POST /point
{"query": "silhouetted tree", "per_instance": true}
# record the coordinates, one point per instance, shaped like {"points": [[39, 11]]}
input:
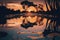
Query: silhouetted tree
{"points": [[4, 12], [26, 2], [55, 8]]}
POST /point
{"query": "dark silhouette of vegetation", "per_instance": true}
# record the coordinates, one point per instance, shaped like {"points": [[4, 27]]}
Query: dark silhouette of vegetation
{"points": [[27, 25], [28, 3], [4, 12], [55, 8]]}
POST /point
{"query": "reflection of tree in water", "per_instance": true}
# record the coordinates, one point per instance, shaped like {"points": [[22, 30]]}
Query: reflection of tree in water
{"points": [[27, 24]]}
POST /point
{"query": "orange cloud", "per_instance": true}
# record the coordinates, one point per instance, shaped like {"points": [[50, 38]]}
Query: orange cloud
{"points": [[15, 6]]}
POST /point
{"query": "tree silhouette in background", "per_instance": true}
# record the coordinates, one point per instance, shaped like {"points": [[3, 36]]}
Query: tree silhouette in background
{"points": [[55, 8], [4, 12], [28, 3]]}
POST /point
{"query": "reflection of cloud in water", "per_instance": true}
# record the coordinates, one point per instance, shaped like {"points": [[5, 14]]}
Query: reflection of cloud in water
{"points": [[35, 37]]}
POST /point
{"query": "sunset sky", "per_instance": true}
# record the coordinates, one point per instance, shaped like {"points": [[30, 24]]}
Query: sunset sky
{"points": [[15, 4], [35, 1]]}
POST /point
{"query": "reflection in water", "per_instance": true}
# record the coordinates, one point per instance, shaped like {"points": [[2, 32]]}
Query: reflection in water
{"points": [[41, 23], [34, 32]]}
